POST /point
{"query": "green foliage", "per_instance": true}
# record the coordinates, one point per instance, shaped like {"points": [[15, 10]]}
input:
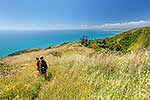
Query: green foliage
{"points": [[1, 63], [84, 41], [5, 69], [132, 40], [128, 40], [56, 53], [147, 40]]}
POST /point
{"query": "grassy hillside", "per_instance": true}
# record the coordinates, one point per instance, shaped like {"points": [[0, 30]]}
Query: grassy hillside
{"points": [[79, 73], [76, 73], [132, 40]]}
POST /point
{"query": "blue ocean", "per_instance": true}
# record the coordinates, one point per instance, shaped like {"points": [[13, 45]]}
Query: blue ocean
{"points": [[12, 41]]}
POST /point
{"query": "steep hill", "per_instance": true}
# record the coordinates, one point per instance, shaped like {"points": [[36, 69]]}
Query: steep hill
{"points": [[132, 40]]}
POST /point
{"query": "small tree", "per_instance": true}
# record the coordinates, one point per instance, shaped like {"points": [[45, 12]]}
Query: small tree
{"points": [[84, 40], [117, 46]]}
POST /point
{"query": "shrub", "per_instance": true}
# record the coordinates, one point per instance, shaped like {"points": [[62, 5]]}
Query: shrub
{"points": [[56, 53], [1, 63]]}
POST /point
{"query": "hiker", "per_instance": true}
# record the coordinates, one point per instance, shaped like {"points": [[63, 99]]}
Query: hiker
{"points": [[43, 66], [38, 64]]}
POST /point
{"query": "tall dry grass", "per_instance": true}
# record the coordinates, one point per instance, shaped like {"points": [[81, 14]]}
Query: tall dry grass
{"points": [[83, 76], [99, 77]]}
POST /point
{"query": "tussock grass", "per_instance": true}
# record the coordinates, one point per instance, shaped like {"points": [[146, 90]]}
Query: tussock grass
{"points": [[81, 76], [102, 76]]}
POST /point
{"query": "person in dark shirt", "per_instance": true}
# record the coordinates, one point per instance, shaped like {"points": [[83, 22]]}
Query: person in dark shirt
{"points": [[44, 66], [38, 64]]}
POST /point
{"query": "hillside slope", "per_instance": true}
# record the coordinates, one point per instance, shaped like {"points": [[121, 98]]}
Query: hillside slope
{"points": [[132, 40], [76, 73]]}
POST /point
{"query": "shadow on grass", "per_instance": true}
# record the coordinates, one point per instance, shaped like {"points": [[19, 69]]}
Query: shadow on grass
{"points": [[49, 76]]}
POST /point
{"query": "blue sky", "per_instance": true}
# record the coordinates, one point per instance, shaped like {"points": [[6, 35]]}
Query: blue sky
{"points": [[44, 14]]}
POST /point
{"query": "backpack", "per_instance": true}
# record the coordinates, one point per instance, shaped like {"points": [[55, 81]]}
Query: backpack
{"points": [[43, 66]]}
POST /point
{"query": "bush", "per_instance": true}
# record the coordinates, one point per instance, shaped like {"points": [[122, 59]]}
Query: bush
{"points": [[56, 54], [1, 63]]}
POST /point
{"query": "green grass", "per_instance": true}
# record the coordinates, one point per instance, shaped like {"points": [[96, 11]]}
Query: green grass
{"points": [[55, 54], [22, 85], [132, 40], [5, 69]]}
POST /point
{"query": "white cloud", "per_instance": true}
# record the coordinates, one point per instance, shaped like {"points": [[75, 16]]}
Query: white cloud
{"points": [[120, 26]]}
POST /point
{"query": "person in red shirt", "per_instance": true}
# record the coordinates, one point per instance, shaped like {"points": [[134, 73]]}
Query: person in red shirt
{"points": [[38, 64]]}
